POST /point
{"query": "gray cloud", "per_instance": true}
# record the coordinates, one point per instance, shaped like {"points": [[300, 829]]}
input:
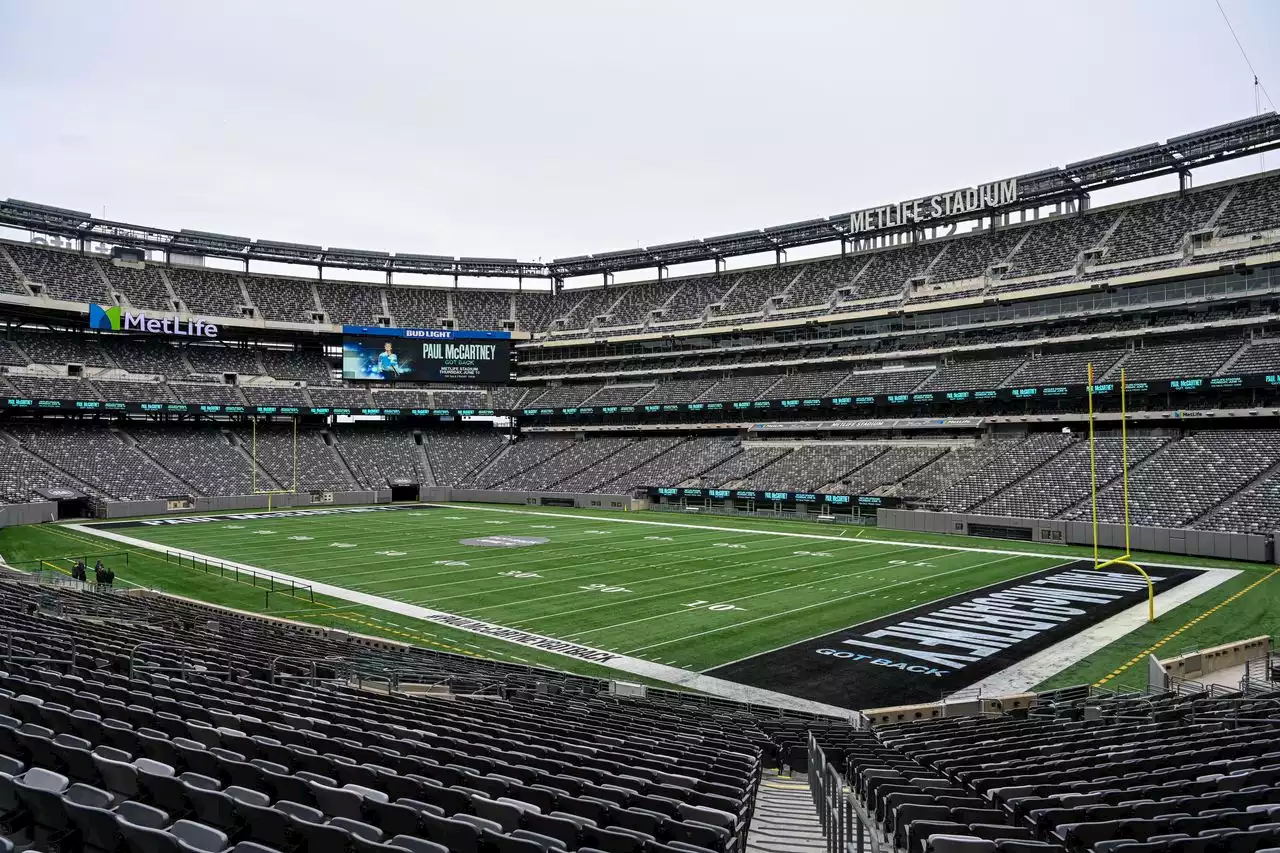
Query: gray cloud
{"points": [[557, 128]]}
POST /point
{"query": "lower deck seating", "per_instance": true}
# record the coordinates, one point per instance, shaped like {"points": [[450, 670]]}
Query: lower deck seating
{"points": [[195, 742], [1152, 774]]}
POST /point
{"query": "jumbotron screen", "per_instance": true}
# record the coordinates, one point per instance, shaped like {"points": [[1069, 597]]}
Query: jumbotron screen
{"points": [[426, 355]]}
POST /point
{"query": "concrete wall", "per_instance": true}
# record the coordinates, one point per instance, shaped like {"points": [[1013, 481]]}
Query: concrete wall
{"points": [[34, 513], [284, 501], [620, 503], [949, 708], [1194, 543], [126, 509], [1215, 658]]}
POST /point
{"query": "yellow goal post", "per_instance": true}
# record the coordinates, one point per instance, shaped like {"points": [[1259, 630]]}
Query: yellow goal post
{"points": [[253, 468], [1125, 559]]}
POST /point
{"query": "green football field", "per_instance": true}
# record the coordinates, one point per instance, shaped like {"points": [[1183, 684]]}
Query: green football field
{"points": [[685, 596], [689, 591]]}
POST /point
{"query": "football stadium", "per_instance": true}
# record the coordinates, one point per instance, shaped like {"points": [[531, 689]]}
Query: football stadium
{"points": [[943, 523]]}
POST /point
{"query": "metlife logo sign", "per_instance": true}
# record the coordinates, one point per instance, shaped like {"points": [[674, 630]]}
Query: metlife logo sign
{"points": [[115, 319], [922, 653]]}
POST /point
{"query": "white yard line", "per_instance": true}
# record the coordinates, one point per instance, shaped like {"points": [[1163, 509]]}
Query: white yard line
{"points": [[816, 604], [1030, 671], [622, 663], [773, 591], [684, 591], [632, 568], [899, 542]]}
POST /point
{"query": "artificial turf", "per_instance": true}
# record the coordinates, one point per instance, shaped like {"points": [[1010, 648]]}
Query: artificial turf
{"points": [[688, 596], [677, 592]]}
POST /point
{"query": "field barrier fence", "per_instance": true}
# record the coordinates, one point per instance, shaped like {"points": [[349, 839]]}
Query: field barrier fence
{"points": [[268, 583]]}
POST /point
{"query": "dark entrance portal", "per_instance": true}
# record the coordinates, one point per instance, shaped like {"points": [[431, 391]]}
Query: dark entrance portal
{"points": [[404, 491]]}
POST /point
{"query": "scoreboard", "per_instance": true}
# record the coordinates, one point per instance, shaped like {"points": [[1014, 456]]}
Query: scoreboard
{"points": [[378, 354]]}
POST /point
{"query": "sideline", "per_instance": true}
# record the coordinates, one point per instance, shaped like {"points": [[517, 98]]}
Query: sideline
{"points": [[623, 663], [898, 542], [1190, 623]]}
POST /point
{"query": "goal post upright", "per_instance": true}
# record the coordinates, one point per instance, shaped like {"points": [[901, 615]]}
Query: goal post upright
{"points": [[1093, 467], [1125, 559], [1124, 459], [253, 467]]}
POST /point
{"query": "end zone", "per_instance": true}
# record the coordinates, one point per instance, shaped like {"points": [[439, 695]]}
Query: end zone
{"points": [[920, 654]]}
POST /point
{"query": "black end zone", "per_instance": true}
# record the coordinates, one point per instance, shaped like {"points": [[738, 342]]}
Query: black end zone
{"points": [[920, 654]]}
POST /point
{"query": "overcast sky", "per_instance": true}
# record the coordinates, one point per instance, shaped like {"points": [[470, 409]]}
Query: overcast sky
{"points": [[547, 129]]}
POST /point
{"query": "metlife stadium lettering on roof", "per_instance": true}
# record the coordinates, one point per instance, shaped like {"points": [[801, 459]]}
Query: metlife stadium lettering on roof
{"points": [[919, 210]]}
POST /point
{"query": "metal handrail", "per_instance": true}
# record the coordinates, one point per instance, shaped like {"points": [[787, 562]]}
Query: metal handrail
{"points": [[845, 825], [9, 656], [344, 670], [1264, 661], [136, 667], [1213, 709]]}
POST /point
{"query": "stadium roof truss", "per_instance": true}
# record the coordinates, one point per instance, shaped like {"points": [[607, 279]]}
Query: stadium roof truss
{"points": [[1179, 155]]}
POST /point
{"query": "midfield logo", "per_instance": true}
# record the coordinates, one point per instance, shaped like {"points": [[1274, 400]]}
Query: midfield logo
{"points": [[115, 319]]}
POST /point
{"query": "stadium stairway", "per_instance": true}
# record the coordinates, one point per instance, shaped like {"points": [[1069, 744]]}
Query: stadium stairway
{"points": [[485, 464], [331, 442], [1229, 363], [422, 461], [784, 820]]}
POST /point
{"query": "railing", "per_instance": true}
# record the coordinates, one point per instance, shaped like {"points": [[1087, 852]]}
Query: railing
{"points": [[344, 670], [264, 581], [185, 661], [47, 571], [87, 559], [1229, 710], [845, 826], [47, 654], [1254, 688], [1260, 669], [52, 577], [1185, 686]]}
